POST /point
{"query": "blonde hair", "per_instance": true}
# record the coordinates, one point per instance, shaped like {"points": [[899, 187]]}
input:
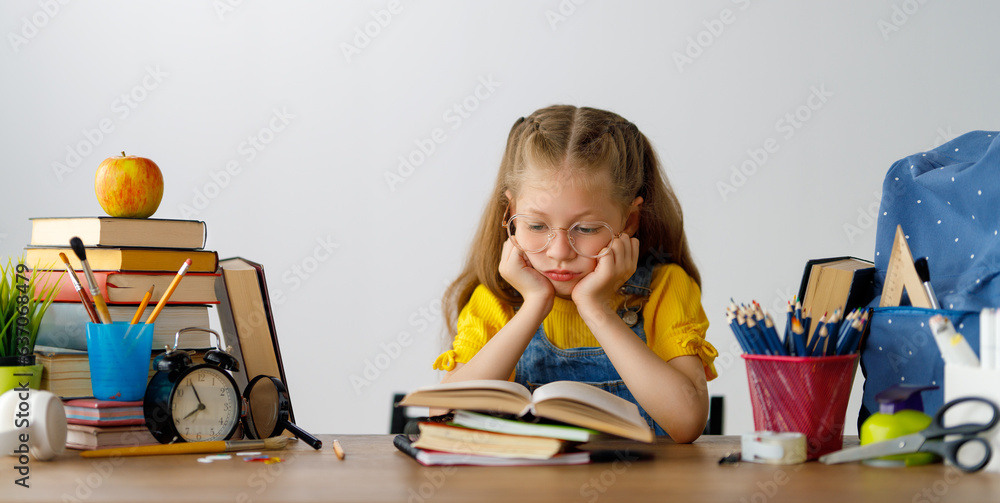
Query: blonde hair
{"points": [[568, 141]]}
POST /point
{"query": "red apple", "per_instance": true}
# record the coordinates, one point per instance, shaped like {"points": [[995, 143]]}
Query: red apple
{"points": [[129, 186]]}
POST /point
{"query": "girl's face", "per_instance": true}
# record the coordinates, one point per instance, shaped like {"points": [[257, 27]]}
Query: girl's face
{"points": [[561, 201]]}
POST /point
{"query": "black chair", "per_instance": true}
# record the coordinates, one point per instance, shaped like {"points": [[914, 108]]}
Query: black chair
{"points": [[398, 418], [716, 415]]}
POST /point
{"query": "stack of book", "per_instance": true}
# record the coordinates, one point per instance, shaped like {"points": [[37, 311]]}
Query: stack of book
{"points": [[100, 424], [128, 256], [520, 428]]}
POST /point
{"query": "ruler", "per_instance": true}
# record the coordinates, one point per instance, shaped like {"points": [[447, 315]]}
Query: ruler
{"points": [[902, 275]]}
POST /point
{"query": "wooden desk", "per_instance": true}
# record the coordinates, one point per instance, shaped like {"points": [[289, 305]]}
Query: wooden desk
{"points": [[375, 471]]}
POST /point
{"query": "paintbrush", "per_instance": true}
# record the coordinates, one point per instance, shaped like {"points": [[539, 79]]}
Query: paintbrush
{"points": [[270, 444], [95, 291], [84, 299]]}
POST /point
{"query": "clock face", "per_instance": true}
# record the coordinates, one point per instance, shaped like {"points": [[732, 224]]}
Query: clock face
{"points": [[205, 405]]}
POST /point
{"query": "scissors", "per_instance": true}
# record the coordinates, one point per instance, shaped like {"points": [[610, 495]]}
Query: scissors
{"points": [[932, 439]]}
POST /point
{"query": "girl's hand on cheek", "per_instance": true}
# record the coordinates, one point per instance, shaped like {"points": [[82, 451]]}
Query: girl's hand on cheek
{"points": [[517, 270], [597, 289]]}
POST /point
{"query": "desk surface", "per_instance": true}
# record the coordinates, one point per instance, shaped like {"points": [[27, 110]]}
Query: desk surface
{"points": [[375, 471]]}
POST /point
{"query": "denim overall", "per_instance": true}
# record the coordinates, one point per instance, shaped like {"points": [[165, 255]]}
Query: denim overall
{"points": [[542, 362]]}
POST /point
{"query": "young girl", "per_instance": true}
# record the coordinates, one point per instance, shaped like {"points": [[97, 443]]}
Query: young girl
{"points": [[580, 270]]}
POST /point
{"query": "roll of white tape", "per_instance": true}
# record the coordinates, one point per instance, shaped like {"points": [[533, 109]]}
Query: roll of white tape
{"points": [[775, 448]]}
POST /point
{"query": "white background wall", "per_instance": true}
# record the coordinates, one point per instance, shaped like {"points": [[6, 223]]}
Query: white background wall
{"points": [[883, 79]]}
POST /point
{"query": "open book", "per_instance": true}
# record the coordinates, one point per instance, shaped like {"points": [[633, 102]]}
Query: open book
{"points": [[570, 402]]}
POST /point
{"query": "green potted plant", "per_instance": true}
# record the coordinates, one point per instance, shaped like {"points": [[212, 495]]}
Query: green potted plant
{"points": [[22, 304]]}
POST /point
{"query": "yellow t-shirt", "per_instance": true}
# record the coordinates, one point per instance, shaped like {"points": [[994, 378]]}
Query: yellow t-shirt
{"points": [[674, 322]]}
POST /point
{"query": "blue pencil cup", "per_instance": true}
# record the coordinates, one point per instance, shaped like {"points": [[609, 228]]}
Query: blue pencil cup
{"points": [[119, 356]]}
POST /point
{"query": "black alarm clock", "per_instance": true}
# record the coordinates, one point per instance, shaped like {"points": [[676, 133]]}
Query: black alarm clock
{"points": [[188, 403]]}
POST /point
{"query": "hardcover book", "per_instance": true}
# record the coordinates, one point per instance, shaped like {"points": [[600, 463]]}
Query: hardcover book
{"points": [[127, 287], [111, 231], [571, 402], [436, 458], [835, 283], [124, 259]]}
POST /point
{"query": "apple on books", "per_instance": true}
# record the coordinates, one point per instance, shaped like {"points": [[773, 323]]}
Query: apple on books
{"points": [[129, 186]]}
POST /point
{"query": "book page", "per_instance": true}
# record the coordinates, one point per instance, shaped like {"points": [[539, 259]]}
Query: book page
{"points": [[584, 405], [585, 394], [484, 395]]}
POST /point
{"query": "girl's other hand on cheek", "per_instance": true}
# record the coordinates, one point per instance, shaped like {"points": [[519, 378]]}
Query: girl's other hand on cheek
{"points": [[517, 270], [597, 289]]}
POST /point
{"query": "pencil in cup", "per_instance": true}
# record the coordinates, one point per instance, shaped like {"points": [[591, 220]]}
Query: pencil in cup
{"points": [[143, 304], [170, 291], [834, 336]]}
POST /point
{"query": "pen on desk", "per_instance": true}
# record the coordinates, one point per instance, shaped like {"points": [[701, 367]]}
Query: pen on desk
{"points": [[95, 291], [84, 299], [143, 304], [925, 277], [338, 450], [170, 291]]}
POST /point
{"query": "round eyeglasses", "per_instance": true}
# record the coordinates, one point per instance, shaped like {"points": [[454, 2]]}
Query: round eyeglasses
{"points": [[531, 234]]}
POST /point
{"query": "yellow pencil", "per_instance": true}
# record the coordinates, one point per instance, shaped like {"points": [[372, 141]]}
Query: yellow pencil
{"points": [[169, 292], [273, 443], [338, 450], [143, 304]]}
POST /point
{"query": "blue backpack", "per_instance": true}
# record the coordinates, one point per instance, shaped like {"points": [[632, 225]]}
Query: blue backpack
{"points": [[947, 201]]}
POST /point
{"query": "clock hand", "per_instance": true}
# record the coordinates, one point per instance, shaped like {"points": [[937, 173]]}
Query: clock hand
{"points": [[200, 406]]}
